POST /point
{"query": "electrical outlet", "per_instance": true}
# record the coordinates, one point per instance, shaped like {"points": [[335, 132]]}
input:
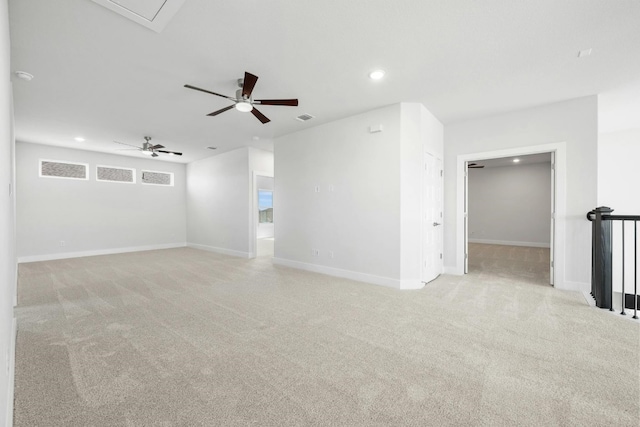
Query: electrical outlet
{"points": [[331, 254], [315, 252], [317, 188], [61, 243]]}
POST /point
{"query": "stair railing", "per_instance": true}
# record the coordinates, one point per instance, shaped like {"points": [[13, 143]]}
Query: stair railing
{"points": [[603, 248]]}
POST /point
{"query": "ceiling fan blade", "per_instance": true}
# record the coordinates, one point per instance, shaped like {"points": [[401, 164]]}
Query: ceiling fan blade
{"points": [[476, 167], [208, 91], [288, 102], [260, 116], [175, 153], [222, 110], [248, 84], [122, 143], [155, 147]]}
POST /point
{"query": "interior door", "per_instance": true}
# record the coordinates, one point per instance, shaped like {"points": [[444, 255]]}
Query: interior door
{"points": [[432, 241], [553, 217], [466, 217]]}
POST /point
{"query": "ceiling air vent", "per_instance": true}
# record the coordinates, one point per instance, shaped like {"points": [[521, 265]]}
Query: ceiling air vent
{"points": [[304, 117], [153, 14]]}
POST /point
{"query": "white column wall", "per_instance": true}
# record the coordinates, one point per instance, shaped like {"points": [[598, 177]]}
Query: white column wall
{"points": [[219, 203]]}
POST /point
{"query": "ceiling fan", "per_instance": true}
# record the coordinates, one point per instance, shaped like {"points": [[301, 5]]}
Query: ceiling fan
{"points": [[474, 166], [148, 148], [244, 101]]}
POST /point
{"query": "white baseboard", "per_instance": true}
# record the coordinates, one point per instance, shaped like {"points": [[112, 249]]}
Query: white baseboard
{"points": [[50, 257], [572, 286], [337, 272], [12, 371], [409, 284], [453, 270], [510, 243], [222, 251]]}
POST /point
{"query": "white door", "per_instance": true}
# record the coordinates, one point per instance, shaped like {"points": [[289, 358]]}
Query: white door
{"points": [[553, 215], [466, 217], [432, 239]]}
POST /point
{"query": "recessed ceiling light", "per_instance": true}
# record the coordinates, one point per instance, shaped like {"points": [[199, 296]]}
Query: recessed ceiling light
{"points": [[516, 160], [583, 53], [376, 75], [79, 139], [24, 75]]}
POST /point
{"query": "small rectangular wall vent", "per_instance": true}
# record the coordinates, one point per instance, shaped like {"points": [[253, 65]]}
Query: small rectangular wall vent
{"points": [[157, 178], [62, 169], [304, 117], [115, 174]]}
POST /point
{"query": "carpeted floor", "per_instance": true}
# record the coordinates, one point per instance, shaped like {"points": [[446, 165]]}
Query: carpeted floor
{"points": [[183, 337]]}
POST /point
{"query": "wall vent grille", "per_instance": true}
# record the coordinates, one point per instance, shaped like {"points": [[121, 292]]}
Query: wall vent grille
{"points": [[157, 178], [62, 169], [115, 174]]}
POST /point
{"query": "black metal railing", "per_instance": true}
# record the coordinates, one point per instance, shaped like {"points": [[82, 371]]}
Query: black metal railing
{"points": [[603, 248]]}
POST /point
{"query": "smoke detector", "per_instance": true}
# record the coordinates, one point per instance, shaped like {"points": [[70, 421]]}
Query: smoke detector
{"points": [[24, 75]]}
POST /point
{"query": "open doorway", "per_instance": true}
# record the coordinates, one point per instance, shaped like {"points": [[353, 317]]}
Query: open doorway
{"points": [[265, 231], [510, 201]]}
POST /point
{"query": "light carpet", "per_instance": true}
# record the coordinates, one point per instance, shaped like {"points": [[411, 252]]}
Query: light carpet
{"points": [[182, 337]]}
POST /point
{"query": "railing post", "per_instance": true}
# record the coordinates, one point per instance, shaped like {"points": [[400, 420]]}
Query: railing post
{"points": [[601, 258]]}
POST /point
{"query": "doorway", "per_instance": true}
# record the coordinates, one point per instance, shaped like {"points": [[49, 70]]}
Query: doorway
{"points": [[510, 217], [265, 231], [558, 217]]}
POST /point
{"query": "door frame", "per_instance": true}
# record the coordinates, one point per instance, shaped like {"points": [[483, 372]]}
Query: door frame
{"points": [[253, 217], [560, 202]]}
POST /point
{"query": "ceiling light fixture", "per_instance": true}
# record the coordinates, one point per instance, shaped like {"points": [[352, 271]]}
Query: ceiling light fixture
{"points": [[244, 106], [376, 75], [516, 160], [79, 139], [147, 152]]}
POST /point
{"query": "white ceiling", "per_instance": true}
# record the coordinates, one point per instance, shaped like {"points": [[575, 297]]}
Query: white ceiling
{"points": [[104, 77]]}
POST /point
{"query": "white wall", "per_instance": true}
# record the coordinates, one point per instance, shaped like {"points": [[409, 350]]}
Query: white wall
{"points": [[7, 228], [618, 161], [573, 123], [368, 196], [94, 217], [510, 205], [218, 203], [618, 180]]}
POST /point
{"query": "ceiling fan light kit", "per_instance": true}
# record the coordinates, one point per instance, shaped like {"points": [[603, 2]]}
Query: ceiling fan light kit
{"points": [[149, 149], [244, 101]]}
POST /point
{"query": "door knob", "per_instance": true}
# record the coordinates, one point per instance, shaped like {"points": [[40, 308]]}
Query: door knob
{"points": [[435, 224]]}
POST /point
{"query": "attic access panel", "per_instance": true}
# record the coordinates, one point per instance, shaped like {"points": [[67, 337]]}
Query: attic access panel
{"points": [[153, 14]]}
